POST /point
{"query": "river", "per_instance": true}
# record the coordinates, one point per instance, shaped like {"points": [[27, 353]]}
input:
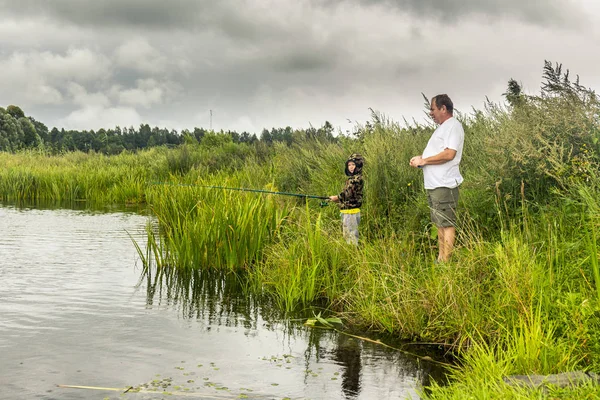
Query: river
{"points": [[74, 312]]}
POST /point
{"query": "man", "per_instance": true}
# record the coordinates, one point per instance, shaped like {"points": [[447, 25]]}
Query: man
{"points": [[440, 163]]}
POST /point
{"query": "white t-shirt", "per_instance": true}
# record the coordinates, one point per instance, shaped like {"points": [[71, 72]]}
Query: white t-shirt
{"points": [[449, 135]]}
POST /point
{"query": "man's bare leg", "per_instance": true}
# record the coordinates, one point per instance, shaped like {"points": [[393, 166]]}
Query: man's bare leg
{"points": [[446, 237]]}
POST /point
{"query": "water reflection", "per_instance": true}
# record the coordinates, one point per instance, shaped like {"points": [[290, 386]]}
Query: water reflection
{"points": [[348, 354], [75, 205], [215, 297], [363, 368]]}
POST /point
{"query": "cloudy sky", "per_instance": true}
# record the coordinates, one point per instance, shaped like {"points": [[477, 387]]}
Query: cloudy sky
{"points": [[88, 64]]}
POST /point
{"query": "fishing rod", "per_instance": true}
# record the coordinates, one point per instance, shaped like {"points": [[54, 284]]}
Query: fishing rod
{"points": [[305, 196]]}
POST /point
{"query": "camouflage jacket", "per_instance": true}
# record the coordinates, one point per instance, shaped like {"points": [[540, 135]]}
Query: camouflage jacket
{"points": [[351, 196]]}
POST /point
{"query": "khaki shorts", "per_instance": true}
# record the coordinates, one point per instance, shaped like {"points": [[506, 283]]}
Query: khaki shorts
{"points": [[442, 205]]}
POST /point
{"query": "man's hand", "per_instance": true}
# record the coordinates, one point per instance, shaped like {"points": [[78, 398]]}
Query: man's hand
{"points": [[334, 199], [417, 162]]}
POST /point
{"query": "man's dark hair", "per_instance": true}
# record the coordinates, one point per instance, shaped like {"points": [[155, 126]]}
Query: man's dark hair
{"points": [[444, 100]]}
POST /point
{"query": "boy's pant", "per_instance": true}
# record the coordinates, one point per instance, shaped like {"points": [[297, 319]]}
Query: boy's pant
{"points": [[350, 227]]}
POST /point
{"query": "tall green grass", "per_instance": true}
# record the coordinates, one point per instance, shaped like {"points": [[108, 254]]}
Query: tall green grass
{"points": [[101, 179], [203, 228], [308, 263], [77, 177]]}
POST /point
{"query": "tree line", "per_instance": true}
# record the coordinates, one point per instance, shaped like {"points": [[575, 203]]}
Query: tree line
{"points": [[19, 132]]}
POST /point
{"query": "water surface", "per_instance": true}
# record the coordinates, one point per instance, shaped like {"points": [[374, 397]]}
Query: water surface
{"points": [[72, 313]]}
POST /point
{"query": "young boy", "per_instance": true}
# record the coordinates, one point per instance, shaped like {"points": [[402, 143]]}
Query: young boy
{"points": [[350, 199]]}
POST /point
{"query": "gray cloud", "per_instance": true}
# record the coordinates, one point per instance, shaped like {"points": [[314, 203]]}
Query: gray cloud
{"points": [[259, 63], [110, 13], [250, 20], [547, 12], [239, 19]]}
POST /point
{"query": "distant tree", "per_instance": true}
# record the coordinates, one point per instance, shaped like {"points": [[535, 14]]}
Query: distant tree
{"points": [[67, 142], [31, 139], [7, 130], [235, 137], [266, 136], [187, 137], [41, 129], [328, 128], [11, 131], [53, 138], [173, 138], [158, 137], [142, 137], [15, 111], [18, 131], [199, 134], [245, 137]]}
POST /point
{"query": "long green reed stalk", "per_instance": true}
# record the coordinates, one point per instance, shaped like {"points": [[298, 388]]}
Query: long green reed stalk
{"points": [[529, 347], [310, 262], [593, 256], [589, 225], [208, 228]]}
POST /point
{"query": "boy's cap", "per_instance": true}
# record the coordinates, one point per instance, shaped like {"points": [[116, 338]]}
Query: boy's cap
{"points": [[356, 159]]}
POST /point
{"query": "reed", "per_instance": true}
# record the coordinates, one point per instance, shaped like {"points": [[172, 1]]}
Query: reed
{"points": [[74, 177], [212, 228], [305, 265], [529, 347]]}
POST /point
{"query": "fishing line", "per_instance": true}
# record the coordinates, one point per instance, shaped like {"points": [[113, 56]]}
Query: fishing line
{"points": [[301, 195]]}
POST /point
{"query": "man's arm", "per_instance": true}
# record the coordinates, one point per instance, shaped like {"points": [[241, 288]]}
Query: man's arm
{"points": [[440, 158]]}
